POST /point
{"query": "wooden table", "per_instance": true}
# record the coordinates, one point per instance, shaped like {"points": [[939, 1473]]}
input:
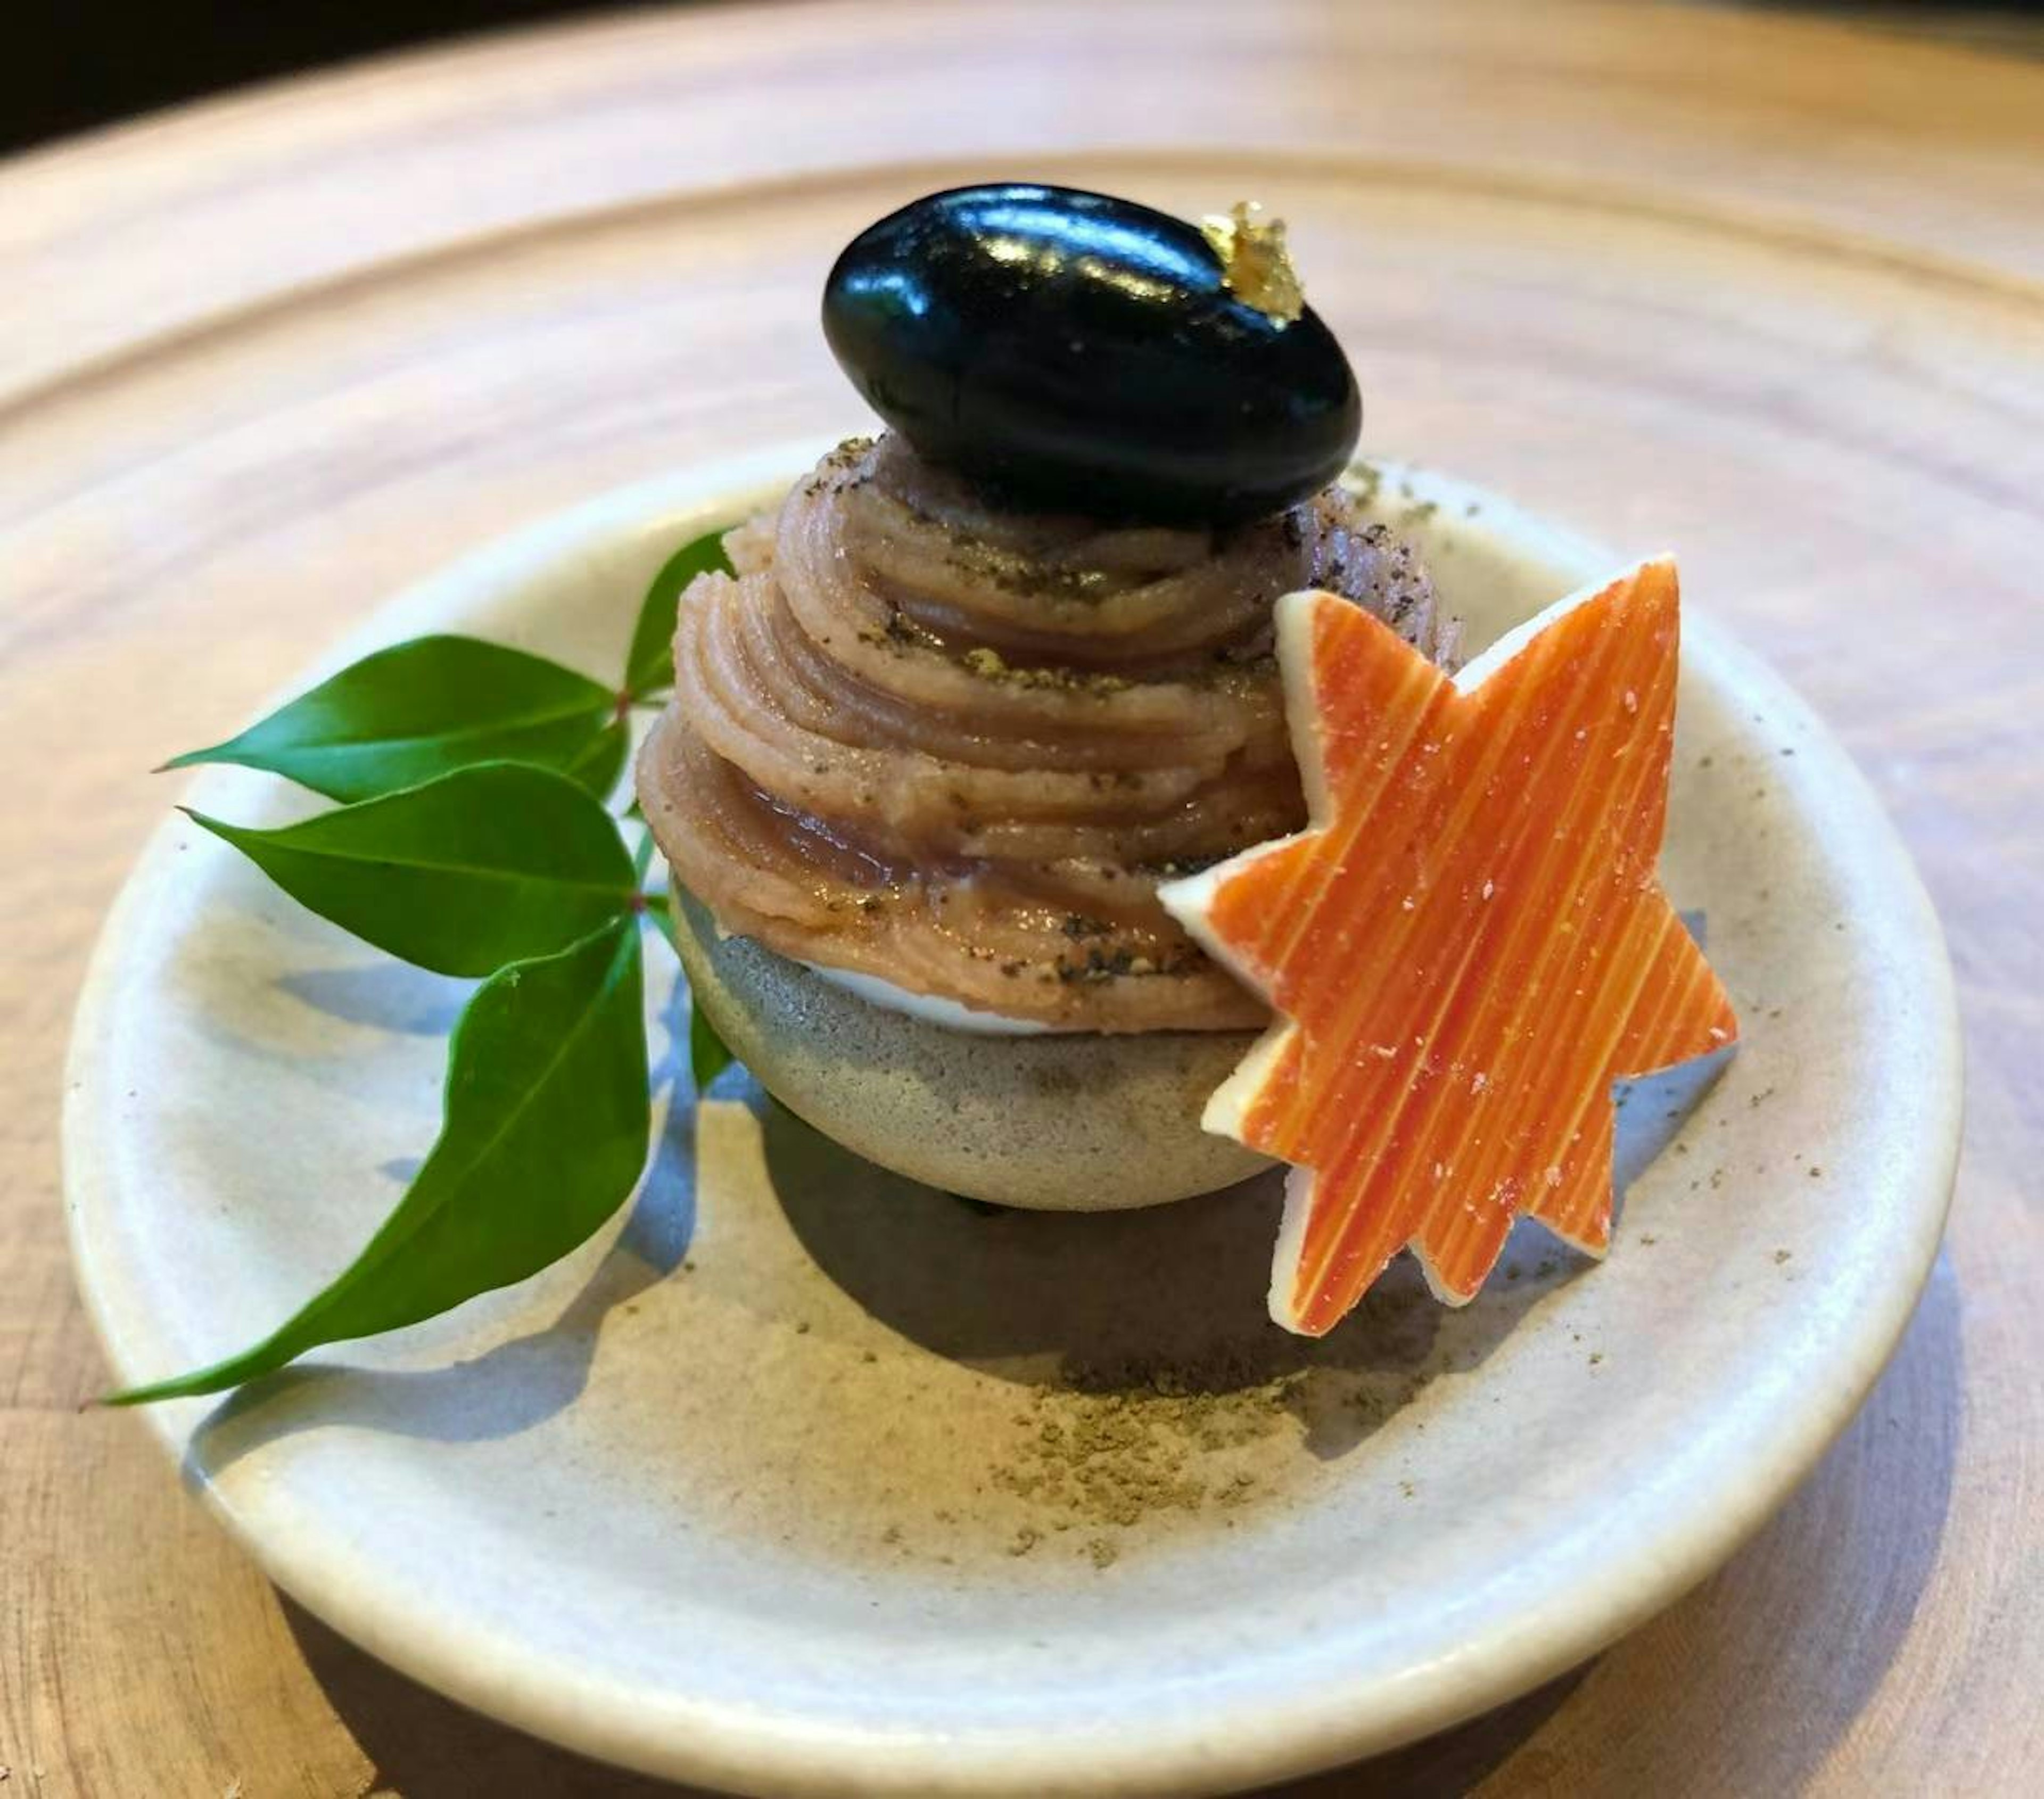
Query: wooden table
{"points": [[1764, 289]]}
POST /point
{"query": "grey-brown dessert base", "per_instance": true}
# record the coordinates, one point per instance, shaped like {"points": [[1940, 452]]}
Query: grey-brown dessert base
{"points": [[1058, 1122]]}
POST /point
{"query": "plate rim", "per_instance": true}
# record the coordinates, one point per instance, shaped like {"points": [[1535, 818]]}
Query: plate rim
{"points": [[1322, 1725]]}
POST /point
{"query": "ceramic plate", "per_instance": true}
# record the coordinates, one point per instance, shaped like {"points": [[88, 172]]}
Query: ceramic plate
{"points": [[803, 1478]]}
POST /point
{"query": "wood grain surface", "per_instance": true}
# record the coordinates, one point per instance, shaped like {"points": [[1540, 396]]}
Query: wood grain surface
{"points": [[1762, 289]]}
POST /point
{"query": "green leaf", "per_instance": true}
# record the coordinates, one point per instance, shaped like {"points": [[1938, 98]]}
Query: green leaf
{"points": [[598, 766], [460, 875], [708, 1056], [651, 665], [545, 1134], [420, 708], [663, 919]]}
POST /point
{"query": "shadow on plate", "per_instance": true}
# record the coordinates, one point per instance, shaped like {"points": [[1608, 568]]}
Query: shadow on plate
{"points": [[1169, 1300], [508, 1389], [384, 995]]}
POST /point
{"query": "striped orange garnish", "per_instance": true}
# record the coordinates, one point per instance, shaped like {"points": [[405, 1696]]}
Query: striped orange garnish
{"points": [[1466, 947]]}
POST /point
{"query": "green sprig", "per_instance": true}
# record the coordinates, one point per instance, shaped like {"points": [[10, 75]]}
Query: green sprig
{"points": [[424, 708], [474, 841], [480, 867], [649, 667], [547, 1116]]}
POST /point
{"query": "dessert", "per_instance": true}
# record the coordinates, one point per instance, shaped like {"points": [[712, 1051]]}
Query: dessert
{"points": [[977, 687], [982, 783], [953, 748]]}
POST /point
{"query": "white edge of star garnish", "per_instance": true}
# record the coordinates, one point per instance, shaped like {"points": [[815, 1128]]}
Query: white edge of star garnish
{"points": [[1190, 900]]}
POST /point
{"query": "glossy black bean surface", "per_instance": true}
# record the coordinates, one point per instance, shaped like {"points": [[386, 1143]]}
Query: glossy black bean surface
{"points": [[1083, 353]]}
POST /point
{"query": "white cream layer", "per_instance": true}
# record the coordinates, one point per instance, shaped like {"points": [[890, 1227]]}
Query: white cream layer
{"points": [[933, 1008]]}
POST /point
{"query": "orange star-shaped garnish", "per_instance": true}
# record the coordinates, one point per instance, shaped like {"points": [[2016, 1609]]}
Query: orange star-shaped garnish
{"points": [[1467, 946]]}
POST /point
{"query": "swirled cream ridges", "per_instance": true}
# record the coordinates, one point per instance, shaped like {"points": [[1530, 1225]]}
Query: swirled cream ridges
{"points": [[956, 747]]}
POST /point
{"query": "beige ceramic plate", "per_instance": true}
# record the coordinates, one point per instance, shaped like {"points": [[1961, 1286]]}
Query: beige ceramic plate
{"points": [[805, 1479]]}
